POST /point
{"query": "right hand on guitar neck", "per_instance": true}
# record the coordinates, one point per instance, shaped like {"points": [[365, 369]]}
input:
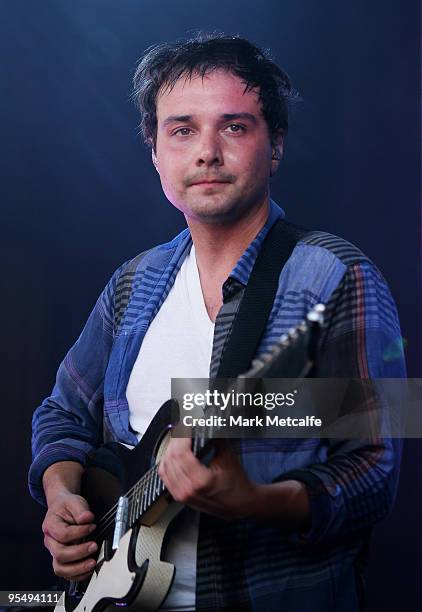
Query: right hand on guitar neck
{"points": [[67, 522]]}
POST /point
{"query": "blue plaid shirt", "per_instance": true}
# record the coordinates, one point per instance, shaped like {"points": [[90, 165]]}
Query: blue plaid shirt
{"points": [[244, 564]]}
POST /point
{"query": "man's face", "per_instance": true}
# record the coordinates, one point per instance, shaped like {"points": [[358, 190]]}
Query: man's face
{"points": [[213, 148]]}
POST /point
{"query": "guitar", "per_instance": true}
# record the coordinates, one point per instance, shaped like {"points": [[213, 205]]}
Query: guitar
{"points": [[123, 487]]}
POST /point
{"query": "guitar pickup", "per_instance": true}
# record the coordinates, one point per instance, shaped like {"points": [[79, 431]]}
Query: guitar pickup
{"points": [[120, 527]]}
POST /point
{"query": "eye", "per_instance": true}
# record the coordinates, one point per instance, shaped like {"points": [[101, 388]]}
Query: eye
{"points": [[184, 131], [236, 128]]}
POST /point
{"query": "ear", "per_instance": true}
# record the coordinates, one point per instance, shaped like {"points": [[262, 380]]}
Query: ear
{"points": [[154, 160], [277, 150]]}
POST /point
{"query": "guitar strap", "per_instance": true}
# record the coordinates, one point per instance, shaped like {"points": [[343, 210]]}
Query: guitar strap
{"points": [[258, 298]]}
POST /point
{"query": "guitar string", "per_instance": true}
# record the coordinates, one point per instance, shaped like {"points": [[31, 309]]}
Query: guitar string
{"points": [[139, 485], [134, 493], [138, 491], [109, 517]]}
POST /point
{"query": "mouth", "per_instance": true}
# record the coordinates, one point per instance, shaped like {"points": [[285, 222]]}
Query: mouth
{"points": [[209, 183]]}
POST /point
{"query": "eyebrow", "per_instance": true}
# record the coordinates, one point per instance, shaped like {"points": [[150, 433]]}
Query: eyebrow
{"points": [[225, 116]]}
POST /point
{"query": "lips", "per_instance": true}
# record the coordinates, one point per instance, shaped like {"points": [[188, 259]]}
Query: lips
{"points": [[210, 183]]}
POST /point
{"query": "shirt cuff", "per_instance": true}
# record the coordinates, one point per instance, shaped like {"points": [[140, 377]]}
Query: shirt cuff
{"points": [[320, 506], [50, 454]]}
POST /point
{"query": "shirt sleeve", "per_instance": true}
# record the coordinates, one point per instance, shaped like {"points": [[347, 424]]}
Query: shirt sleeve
{"points": [[356, 485], [68, 424]]}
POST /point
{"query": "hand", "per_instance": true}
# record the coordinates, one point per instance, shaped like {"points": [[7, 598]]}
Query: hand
{"points": [[223, 489], [67, 521]]}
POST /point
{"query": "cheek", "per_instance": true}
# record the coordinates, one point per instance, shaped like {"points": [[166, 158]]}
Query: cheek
{"points": [[257, 151], [171, 178], [169, 166], [256, 162], [169, 174]]}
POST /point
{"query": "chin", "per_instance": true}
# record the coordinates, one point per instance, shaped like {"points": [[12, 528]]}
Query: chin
{"points": [[212, 213]]}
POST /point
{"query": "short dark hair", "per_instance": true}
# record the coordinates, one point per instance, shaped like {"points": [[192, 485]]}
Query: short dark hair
{"points": [[163, 64]]}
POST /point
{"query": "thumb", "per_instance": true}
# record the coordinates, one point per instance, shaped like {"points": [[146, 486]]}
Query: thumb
{"points": [[78, 509]]}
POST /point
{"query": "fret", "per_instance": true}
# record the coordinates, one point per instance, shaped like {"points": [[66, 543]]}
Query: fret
{"points": [[142, 498], [131, 508], [135, 503], [152, 486], [147, 491], [143, 503], [138, 494], [149, 478], [160, 485]]}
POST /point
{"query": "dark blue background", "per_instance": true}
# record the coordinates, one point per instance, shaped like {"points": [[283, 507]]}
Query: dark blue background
{"points": [[80, 196]]}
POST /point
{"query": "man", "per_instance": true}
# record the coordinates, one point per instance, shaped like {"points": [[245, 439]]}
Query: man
{"points": [[270, 524]]}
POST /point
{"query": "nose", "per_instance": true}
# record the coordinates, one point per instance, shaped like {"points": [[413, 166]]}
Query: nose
{"points": [[209, 151]]}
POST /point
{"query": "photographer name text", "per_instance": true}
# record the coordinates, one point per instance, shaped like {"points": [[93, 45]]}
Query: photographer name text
{"points": [[239, 421]]}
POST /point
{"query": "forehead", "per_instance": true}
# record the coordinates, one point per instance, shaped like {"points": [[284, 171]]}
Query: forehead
{"points": [[217, 92]]}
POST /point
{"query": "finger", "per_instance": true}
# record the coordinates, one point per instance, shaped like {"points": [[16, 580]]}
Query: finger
{"points": [[186, 478], [193, 471], [82, 518], [70, 554], [77, 509], [166, 474], [182, 490], [181, 444], [61, 531], [179, 454], [73, 570], [176, 486]]}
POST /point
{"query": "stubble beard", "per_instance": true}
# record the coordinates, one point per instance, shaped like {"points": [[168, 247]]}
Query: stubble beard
{"points": [[225, 209], [218, 211]]}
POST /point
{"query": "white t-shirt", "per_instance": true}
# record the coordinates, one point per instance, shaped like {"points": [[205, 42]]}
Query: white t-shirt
{"points": [[178, 344]]}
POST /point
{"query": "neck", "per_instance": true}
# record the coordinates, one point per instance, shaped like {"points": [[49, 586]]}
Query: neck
{"points": [[219, 246]]}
